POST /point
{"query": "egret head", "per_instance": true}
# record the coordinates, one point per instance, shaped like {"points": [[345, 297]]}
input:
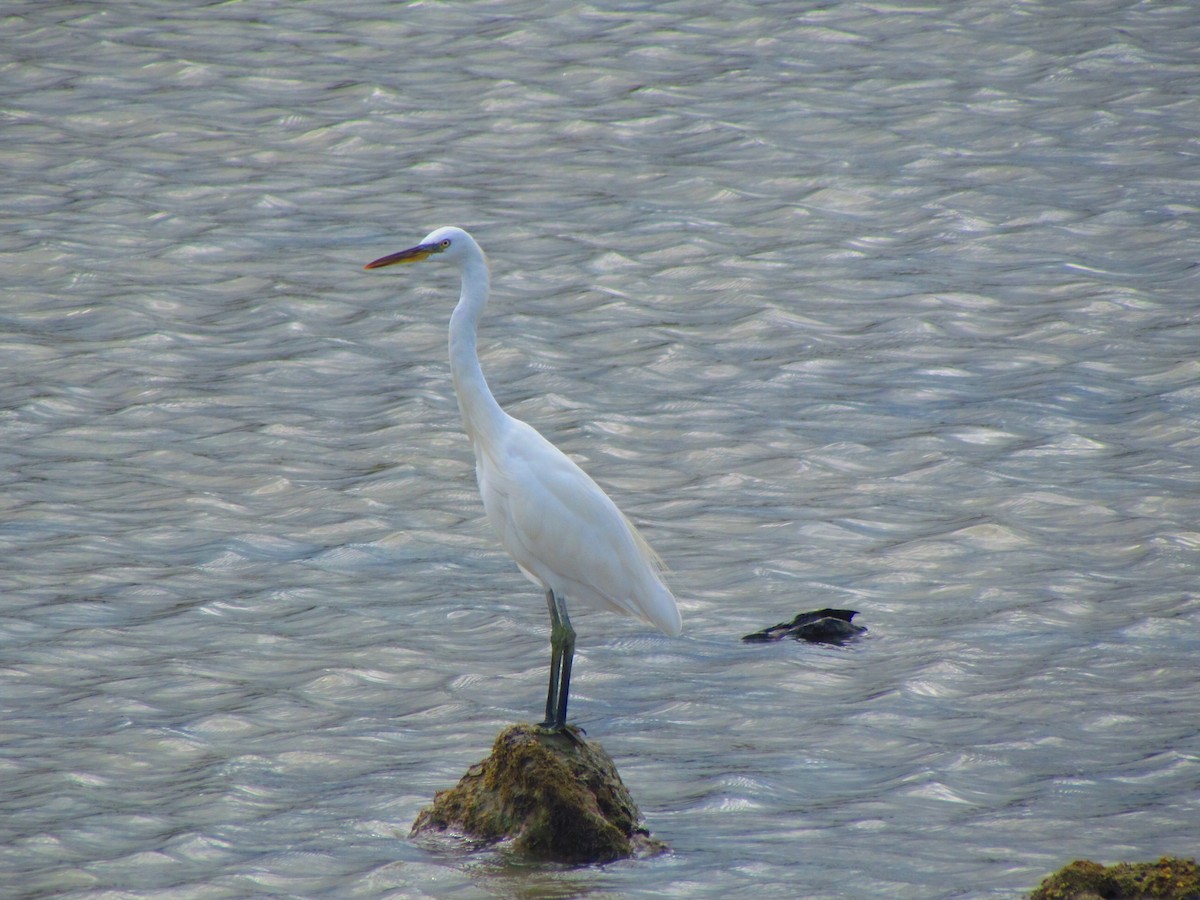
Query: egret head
{"points": [[449, 242]]}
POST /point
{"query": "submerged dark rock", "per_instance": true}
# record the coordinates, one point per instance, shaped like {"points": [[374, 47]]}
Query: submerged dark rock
{"points": [[828, 626], [554, 796]]}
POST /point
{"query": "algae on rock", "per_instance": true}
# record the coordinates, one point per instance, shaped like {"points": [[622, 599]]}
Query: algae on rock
{"points": [[1171, 878], [556, 796]]}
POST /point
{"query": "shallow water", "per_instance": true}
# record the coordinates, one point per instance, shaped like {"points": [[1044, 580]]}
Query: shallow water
{"points": [[888, 307]]}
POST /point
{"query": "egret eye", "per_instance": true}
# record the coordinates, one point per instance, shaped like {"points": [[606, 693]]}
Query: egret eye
{"points": [[445, 243]]}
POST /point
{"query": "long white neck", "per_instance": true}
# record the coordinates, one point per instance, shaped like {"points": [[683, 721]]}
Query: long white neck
{"points": [[481, 414]]}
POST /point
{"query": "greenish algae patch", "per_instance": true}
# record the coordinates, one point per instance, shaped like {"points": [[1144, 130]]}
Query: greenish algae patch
{"points": [[555, 796], [1170, 878]]}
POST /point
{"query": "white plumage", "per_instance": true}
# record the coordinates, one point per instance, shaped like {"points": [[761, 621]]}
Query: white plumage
{"points": [[563, 530]]}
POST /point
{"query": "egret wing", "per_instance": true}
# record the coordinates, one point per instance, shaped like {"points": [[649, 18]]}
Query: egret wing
{"points": [[563, 529]]}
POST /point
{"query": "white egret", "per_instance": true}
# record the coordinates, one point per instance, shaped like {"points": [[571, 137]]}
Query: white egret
{"points": [[563, 531]]}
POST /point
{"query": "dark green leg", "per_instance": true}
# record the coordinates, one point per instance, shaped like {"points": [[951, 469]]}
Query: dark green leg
{"points": [[562, 654], [555, 663], [567, 652]]}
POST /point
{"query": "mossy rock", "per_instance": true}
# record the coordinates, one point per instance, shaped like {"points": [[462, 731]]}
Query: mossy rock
{"points": [[1170, 878], [555, 796]]}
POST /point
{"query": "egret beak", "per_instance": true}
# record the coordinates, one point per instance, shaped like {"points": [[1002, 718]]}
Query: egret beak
{"points": [[412, 254]]}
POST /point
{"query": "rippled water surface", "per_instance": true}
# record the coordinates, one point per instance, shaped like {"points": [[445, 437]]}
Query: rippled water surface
{"points": [[886, 306]]}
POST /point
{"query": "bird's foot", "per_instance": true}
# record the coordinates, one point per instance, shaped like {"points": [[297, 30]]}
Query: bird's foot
{"points": [[571, 732]]}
